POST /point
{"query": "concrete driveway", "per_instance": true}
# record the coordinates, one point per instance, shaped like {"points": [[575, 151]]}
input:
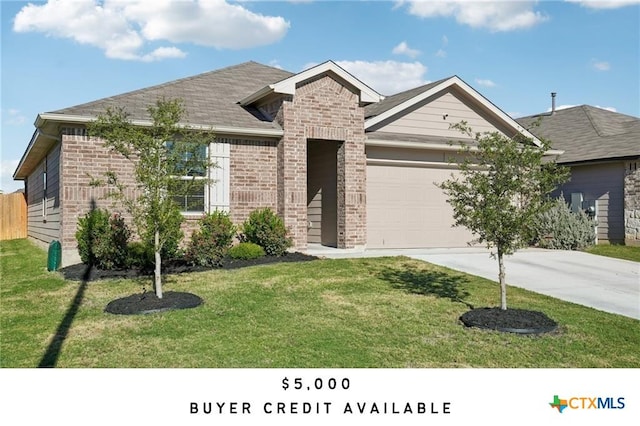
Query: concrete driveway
{"points": [[603, 283]]}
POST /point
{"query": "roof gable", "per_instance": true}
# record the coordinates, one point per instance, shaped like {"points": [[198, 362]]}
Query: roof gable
{"points": [[394, 107], [288, 85]]}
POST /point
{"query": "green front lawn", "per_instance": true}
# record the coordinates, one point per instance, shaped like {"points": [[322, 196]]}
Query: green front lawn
{"points": [[382, 312], [617, 251]]}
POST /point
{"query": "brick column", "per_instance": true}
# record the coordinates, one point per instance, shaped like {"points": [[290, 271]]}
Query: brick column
{"points": [[323, 109]]}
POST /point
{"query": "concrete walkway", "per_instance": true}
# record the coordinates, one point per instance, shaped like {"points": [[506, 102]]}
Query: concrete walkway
{"points": [[603, 283]]}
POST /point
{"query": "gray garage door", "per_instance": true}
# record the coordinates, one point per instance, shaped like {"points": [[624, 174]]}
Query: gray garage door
{"points": [[406, 210]]}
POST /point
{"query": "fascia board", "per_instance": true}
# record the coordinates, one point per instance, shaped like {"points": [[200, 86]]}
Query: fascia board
{"points": [[257, 95], [227, 130]]}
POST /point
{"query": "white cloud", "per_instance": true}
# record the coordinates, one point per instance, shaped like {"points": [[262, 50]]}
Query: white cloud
{"points": [[404, 49], [122, 27], [441, 53], [612, 109], [605, 4], [485, 82], [492, 15], [559, 107], [387, 77], [600, 65], [7, 167], [13, 117]]}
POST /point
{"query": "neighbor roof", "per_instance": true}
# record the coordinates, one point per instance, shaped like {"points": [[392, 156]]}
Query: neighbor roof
{"points": [[587, 133], [210, 98]]}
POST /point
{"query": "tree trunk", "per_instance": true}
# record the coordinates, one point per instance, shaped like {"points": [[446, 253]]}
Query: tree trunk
{"points": [[503, 284], [157, 273]]}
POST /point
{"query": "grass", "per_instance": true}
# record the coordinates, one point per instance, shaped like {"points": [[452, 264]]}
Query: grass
{"points": [[382, 312], [616, 250]]}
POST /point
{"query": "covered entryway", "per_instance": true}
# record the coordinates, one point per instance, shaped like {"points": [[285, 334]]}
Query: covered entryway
{"points": [[322, 192], [406, 210]]}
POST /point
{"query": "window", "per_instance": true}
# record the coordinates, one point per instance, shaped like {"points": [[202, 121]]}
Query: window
{"points": [[189, 187], [192, 191]]}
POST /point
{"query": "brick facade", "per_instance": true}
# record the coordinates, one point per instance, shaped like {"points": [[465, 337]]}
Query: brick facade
{"points": [[632, 203], [81, 159], [323, 109], [262, 172], [253, 176]]}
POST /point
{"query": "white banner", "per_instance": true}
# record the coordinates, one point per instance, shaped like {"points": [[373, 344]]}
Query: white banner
{"points": [[319, 396]]}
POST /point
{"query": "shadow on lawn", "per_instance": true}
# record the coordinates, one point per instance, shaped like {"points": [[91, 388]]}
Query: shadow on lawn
{"points": [[434, 283], [50, 357]]}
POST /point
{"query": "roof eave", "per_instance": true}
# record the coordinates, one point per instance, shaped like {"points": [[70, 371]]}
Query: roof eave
{"points": [[40, 137], [227, 130]]}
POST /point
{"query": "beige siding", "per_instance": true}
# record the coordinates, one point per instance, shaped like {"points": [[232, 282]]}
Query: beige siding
{"points": [[44, 224], [604, 183], [322, 192], [434, 118]]}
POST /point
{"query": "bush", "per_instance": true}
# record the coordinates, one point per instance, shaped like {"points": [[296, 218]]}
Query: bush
{"points": [[140, 255], [246, 251], [211, 242], [266, 229], [171, 248], [102, 240], [560, 228]]}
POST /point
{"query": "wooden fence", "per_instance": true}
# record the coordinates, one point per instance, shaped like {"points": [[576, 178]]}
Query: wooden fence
{"points": [[13, 216]]}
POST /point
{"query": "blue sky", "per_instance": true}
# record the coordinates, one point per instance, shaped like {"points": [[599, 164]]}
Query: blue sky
{"points": [[61, 53]]}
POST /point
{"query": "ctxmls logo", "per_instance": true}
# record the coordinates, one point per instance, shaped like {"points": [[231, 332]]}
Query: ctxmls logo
{"points": [[587, 403]]}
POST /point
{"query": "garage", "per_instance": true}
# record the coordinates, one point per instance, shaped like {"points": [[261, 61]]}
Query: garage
{"points": [[406, 210]]}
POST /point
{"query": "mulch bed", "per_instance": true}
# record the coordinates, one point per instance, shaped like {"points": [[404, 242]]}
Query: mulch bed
{"points": [[78, 272], [518, 321], [148, 302]]}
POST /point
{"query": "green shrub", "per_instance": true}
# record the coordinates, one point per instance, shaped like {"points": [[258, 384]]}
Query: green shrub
{"points": [[102, 240], [560, 228], [171, 248], [266, 229], [246, 251], [210, 243], [140, 255]]}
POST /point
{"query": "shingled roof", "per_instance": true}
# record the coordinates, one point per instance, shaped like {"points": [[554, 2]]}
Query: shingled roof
{"points": [[394, 100], [587, 133], [210, 98]]}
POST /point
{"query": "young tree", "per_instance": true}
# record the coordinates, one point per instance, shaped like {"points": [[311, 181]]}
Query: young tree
{"points": [[503, 185], [169, 160]]}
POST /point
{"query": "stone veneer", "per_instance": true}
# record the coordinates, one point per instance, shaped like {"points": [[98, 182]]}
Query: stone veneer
{"points": [[632, 203], [323, 109]]}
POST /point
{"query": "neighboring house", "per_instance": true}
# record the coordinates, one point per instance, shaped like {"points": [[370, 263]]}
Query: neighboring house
{"points": [[602, 149], [343, 165]]}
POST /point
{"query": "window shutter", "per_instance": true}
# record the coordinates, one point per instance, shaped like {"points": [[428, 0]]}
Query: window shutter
{"points": [[219, 188]]}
